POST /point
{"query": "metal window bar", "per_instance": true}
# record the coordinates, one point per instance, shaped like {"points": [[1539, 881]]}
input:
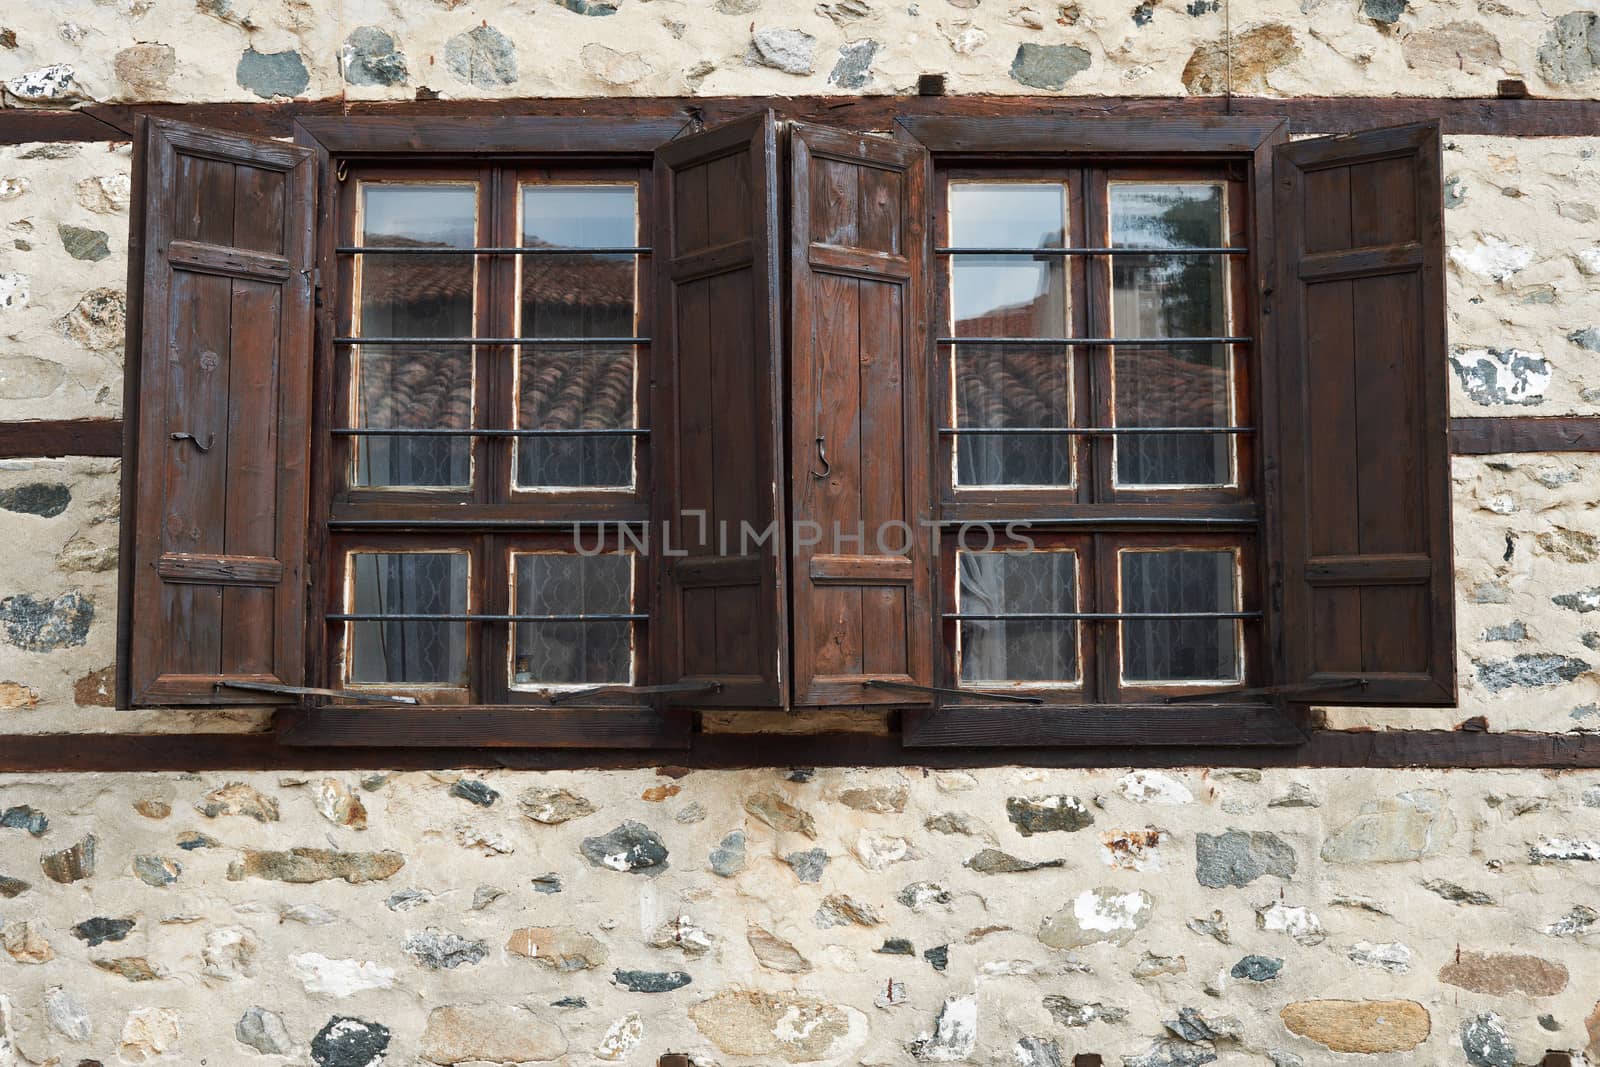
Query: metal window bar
{"points": [[374, 616], [492, 250], [342, 524], [376, 431], [1096, 616], [515, 341], [1088, 341], [1007, 250], [1269, 690], [633, 690], [1240, 522], [1088, 431], [945, 691]]}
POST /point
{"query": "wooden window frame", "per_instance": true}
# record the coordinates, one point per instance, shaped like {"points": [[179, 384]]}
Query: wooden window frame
{"points": [[370, 142], [1242, 143]]}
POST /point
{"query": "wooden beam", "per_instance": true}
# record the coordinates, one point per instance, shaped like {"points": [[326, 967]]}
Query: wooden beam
{"points": [[82, 753], [60, 437], [1528, 117], [1483, 437]]}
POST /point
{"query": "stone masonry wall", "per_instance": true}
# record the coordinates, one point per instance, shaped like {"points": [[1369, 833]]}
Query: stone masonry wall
{"points": [[788, 916]]}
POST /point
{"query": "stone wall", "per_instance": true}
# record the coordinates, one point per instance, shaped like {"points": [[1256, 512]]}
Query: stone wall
{"points": [[121, 50], [764, 917]]}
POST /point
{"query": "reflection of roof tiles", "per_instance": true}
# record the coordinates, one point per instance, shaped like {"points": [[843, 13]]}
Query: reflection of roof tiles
{"points": [[565, 279], [418, 387], [1022, 385]]}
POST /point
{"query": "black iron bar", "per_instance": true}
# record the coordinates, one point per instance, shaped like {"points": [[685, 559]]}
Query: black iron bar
{"points": [[635, 690], [364, 616], [312, 691], [375, 431], [1105, 520], [1087, 341], [1087, 431], [491, 250], [517, 341], [1097, 616], [1268, 690], [1007, 250], [475, 524], [976, 694]]}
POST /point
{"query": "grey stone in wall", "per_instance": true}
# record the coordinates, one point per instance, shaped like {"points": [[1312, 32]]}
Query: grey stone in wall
{"points": [[270, 74], [1237, 858], [853, 70], [34, 624], [789, 50], [1048, 66], [371, 57], [1529, 671], [1570, 51], [483, 56]]}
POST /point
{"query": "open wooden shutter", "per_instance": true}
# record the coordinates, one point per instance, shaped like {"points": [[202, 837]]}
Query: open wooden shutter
{"points": [[718, 438], [1368, 590], [858, 264], [222, 393]]}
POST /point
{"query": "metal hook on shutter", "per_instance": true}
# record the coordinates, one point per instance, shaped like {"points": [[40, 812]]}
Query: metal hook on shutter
{"points": [[822, 457], [184, 435]]}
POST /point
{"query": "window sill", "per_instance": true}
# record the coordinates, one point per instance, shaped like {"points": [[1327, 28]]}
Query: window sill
{"points": [[1130, 725], [623, 726]]}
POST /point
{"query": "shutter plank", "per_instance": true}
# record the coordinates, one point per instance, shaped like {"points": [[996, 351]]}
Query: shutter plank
{"points": [[224, 356], [718, 417], [858, 259], [1368, 584]]}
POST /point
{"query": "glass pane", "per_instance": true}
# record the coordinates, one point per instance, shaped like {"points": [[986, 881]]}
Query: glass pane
{"points": [[1180, 650], [577, 295], [1012, 386], [415, 386], [1171, 296], [999, 386], [1003, 583], [572, 653], [408, 653]]}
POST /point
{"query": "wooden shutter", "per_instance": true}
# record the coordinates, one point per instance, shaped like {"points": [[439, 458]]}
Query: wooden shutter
{"points": [[858, 266], [222, 393], [1368, 588], [718, 440]]}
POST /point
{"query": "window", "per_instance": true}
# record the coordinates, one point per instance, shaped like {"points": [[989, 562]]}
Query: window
{"points": [[1096, 378], [557, 430], [490, 387]]}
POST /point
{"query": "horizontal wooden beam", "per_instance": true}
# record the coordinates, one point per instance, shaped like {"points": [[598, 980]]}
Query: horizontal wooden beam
{"points": [[1528, 117], [60, 437], [83, 753], [1483, 437]]}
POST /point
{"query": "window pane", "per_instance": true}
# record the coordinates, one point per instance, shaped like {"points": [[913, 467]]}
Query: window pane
{"points": [[1179, 650], [415, 386], [1013, 386], [578, 652], [408, 653], [1004, 583], [1171, 296], [1010, 386], [578, 295]]}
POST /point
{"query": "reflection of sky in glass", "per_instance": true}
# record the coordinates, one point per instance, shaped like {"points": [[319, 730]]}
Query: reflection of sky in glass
{"points": [[578, 216], [1007, 215], [442, 215], [1152, 215]]}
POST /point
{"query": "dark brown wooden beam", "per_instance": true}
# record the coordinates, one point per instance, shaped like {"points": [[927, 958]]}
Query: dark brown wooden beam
{"points": [[75, 753], [61, 437], [1483, 437], [1529, 117]]}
